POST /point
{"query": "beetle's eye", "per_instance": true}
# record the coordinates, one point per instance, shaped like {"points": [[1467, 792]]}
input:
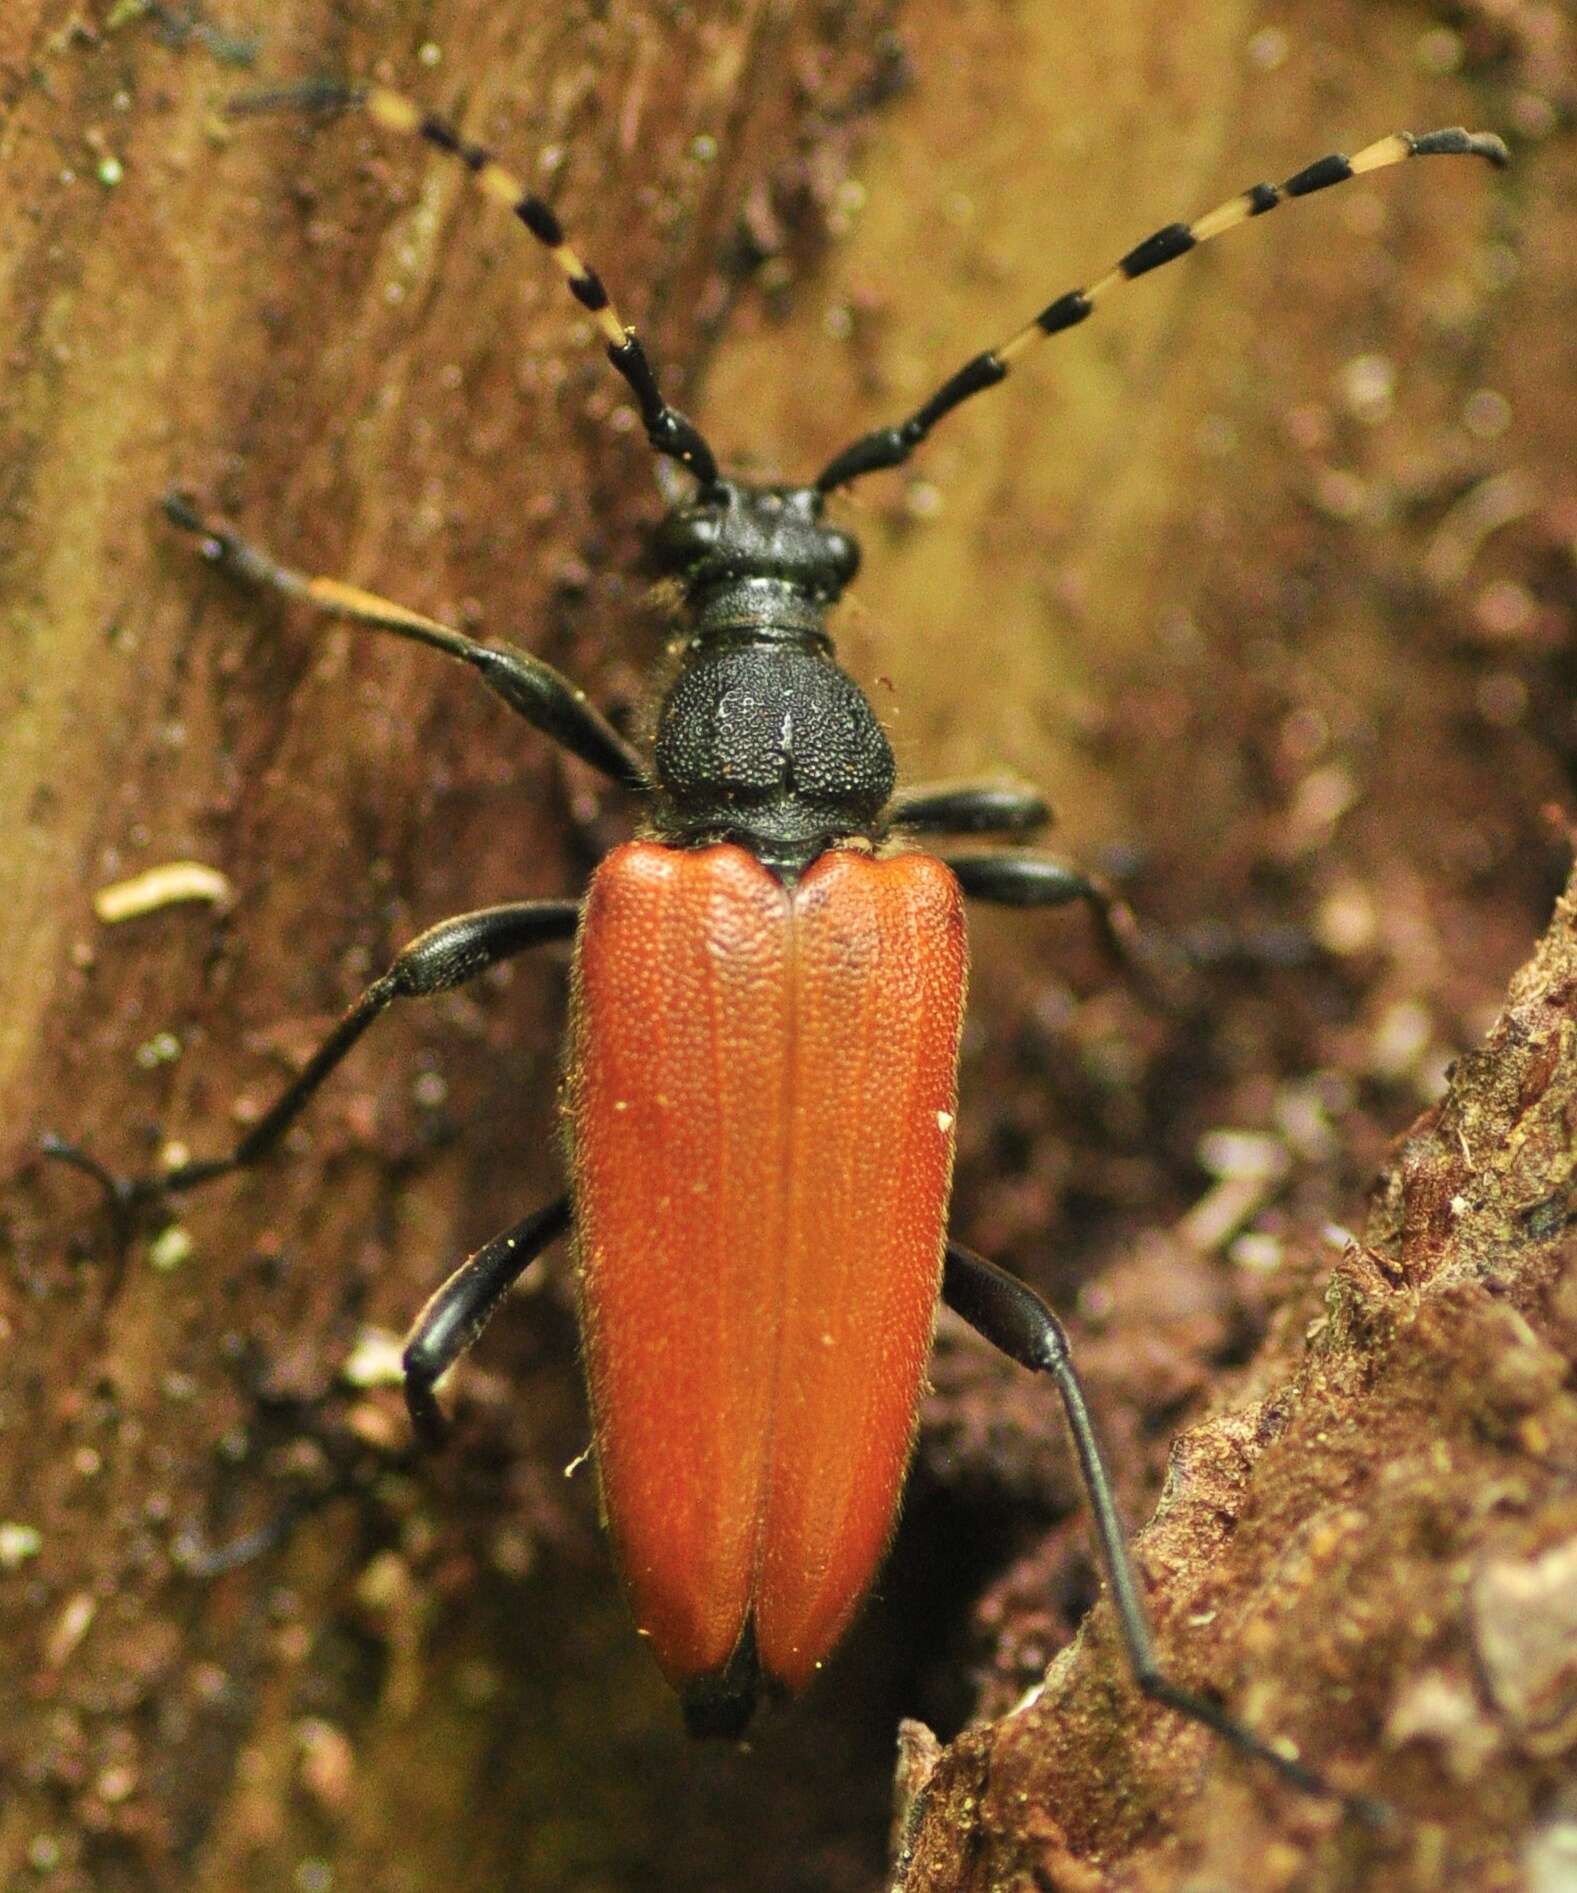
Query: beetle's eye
{"points": [[844, 554], [685, 538]]}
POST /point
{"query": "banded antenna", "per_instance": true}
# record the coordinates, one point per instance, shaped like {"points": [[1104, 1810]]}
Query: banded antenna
{"points": [[891, 446], [669, 432]]}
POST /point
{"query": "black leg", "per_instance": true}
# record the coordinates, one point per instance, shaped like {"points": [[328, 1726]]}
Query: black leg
{"points": [[443, 957], [462, 1308], [969, 808], [1014, 1319], [1031, 880], [1038, 880], [543, 696], [1163, 963]]}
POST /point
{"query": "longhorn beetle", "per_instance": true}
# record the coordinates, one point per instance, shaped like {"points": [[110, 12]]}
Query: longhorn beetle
{"points": [[761, 1075]]}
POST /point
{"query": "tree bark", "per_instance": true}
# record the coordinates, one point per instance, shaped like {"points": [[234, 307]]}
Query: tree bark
{"points": [[1267, 569], [1371, 1548], [327, 335]]}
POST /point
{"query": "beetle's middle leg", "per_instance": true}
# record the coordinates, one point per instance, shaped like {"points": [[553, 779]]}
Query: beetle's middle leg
{"points": [[544, 696], [1009, 878], [1014, 1319], [986, 807], [446, 955], [463, 1306]]}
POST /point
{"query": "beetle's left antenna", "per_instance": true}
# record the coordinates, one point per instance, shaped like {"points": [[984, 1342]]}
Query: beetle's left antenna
{"points": [[670, 432], [891, 446]]}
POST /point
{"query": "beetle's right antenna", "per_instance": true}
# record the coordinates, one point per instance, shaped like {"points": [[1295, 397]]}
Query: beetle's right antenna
{"points": [[891, 446], [669, 431]]}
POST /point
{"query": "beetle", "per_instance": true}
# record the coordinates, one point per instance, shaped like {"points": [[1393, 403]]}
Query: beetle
{"points": [[761, 1076]]}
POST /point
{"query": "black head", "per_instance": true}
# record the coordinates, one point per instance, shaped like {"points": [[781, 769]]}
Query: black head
{"points": [[734, 534]]}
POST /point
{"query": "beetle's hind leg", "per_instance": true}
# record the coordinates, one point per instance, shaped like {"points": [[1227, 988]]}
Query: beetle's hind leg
{"points": [[445, 956], [1014, 1319], [533, 689], [463, 1306]]}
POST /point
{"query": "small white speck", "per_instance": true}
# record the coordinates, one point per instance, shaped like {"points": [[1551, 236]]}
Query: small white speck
{"points": [[170, 1248], [375, 1360], [162, 1049], [18, 1543], [1269, 48]]}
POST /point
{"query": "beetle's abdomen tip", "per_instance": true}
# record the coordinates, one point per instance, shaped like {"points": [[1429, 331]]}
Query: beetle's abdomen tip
{"points": [[719, 1705], [715, 1713]]}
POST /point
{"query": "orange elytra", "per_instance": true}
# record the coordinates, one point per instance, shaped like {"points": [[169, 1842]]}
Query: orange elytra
{"points": [[761, 1098]]}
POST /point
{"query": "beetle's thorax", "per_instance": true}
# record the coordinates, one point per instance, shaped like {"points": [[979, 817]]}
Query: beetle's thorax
{"points": [[762, 739]]}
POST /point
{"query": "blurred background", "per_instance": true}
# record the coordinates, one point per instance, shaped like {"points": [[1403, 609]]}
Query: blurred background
{"points": [[1265, 575]]}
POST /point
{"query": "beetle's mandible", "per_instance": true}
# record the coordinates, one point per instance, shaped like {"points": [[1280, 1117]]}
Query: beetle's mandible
{"points": [[761, 1078]]}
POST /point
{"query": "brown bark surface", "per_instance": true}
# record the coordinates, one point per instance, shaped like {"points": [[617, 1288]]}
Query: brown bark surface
{"points": [[1265, 575], [1378, 1534], [326, 334]]}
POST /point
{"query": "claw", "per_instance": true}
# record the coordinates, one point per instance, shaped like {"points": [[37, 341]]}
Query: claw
{"points": [[125, 1197], [120, 1192]]}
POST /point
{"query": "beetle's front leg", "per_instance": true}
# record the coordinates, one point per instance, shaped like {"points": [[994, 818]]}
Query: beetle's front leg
{"points": [[533, 689], [1014, 1319], [443, 957]]}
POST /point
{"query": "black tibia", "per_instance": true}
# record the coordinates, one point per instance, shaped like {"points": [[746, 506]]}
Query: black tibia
{"points": [[1165, 965], [462, 1308], [535, 690], [443, 957], [1028, 880], [1014, 1319], [1037, 880], [969, 808]]}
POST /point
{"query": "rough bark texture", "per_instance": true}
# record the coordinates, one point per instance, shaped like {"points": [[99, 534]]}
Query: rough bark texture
{"points": [[328, 335], [1378, 1535], [1269, 571]]}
